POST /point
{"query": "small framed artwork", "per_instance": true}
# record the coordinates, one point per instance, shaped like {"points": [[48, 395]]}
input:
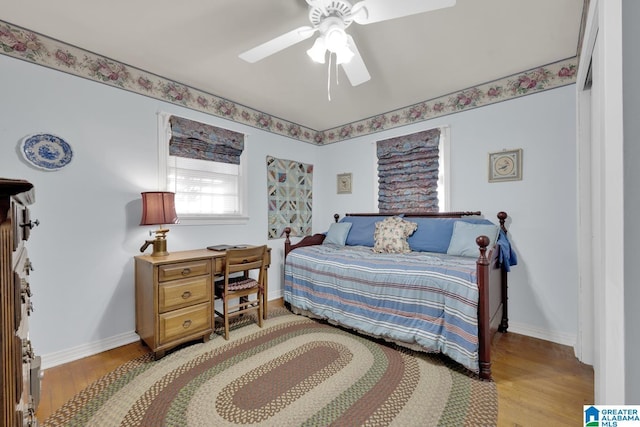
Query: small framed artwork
{"points": [[344, 183], [505, 165]]}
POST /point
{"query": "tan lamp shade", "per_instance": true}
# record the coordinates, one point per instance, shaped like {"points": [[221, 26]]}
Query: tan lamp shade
{"points": [[158, 207]]}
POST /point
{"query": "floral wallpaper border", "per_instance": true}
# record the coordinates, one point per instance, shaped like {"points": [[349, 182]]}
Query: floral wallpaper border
{"points": [[32, 47]]}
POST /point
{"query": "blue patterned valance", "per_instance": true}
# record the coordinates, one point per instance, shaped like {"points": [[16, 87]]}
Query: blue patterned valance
{"points": [[195, 140], [408, 173]]}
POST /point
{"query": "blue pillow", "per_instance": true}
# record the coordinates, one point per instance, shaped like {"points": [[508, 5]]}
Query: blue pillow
{"points": [[362, 229], [432, 235], [337, 233], [463, 239]]}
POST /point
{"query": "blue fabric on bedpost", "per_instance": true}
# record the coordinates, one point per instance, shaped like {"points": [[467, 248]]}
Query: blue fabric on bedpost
{"points": [[507, 256]]}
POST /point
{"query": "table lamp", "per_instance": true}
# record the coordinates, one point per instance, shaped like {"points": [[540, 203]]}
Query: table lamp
{"points": [[158, 208]]}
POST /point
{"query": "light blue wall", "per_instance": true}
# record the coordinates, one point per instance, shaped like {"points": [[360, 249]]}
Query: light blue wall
{"points": [[89, 211], [543, 287]]}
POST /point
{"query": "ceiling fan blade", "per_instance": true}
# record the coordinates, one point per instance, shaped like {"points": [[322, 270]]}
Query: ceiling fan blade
{"points": [[279, 43], [370, 11], [355, 69]]}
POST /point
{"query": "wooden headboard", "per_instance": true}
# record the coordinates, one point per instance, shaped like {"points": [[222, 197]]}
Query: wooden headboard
{"points": [[458, 214], [317, 239], [502, 216]]}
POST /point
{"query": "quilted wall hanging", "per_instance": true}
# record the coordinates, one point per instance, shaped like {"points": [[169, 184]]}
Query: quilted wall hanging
{"points": [[290, 194]]}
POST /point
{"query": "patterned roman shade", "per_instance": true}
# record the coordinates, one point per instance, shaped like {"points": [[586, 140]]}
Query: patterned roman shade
{"points": [[195, 140], [408, 173]]}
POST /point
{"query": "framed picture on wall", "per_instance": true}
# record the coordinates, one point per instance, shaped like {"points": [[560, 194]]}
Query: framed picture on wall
{"points": [[505, 165], [344, 183]]}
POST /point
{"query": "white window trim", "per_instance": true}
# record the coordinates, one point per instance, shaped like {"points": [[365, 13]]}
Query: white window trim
{"points": [[444, 194], [164, 134]]}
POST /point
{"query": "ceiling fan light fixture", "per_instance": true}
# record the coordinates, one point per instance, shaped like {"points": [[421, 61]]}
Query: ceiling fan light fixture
{"points": [[344, 55], [330, 18], [318, 51], [335, 39]]}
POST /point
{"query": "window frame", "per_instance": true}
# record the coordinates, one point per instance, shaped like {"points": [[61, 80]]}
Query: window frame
{"points": [[164, 135], [444, 169]]}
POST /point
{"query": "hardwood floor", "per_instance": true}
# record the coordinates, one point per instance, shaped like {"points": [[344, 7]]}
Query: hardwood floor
{"points": [[60, 383], [539, 382]]}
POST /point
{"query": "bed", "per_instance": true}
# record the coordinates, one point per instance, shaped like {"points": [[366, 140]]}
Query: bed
{"points": [[432, 296]]}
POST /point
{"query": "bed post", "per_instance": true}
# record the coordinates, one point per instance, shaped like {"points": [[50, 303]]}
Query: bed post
{"points": [[484, 317], [504, 323], [287, 242], [316, 239]]}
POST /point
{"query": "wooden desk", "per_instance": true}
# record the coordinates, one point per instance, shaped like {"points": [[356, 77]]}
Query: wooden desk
{"points": [[174, 297]]}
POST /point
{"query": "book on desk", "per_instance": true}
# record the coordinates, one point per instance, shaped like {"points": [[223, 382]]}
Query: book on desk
{"points": [[226, 247]]}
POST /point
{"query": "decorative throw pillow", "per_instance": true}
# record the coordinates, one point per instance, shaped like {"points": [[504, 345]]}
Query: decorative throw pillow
{"points": [[463, 239], [337, 233], [391, 235]]}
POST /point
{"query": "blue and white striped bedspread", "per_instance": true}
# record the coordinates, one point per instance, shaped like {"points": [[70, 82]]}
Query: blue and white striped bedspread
{"points": [[420, 298]]}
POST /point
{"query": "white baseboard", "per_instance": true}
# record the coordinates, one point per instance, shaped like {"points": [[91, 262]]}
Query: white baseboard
{"points": [[60, 357], [543, 334], [64, 356]]}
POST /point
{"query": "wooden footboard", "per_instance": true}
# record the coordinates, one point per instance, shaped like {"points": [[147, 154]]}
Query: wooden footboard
{"points": [[492, 283]]}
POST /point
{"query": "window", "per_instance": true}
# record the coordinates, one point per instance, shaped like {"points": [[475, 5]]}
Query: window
{"points": [[205, 167], [412, 172]]}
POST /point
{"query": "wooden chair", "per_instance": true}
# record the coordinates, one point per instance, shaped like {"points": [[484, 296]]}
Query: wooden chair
{"points": [[240, 286]]}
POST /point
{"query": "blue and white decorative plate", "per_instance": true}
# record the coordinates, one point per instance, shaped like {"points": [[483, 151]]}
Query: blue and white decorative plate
{"points": [[46, 151]]}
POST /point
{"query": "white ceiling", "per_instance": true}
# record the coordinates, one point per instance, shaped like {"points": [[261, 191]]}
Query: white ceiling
{"points": [[410, 59]]}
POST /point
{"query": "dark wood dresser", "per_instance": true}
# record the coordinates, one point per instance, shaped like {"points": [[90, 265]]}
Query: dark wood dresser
{"points": [[20, 367]]}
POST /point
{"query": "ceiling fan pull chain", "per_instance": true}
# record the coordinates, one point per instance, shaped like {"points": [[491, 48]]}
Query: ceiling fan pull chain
{"points": [[329, 78], [337, 73]]}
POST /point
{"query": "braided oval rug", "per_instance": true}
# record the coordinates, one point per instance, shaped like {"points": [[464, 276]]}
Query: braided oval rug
{"points": [[292, 372]]}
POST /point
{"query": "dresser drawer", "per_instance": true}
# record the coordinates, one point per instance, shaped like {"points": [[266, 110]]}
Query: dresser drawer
{"points": [[183, 293], [218, 265], [182, 270], [184, 322]]}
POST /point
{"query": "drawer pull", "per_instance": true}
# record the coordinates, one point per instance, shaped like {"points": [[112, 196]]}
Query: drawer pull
{"points": [[28, 266], [27, 351], [25, 290], [186, 324], [186, 295], [30, 224], [186, 271]]}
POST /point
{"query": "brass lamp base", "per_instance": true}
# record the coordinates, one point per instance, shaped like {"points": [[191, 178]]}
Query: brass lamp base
{"points": [[159, 244]]}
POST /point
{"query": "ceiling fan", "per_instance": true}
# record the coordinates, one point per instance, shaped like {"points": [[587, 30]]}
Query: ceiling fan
{"points": [[330, 18]]}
